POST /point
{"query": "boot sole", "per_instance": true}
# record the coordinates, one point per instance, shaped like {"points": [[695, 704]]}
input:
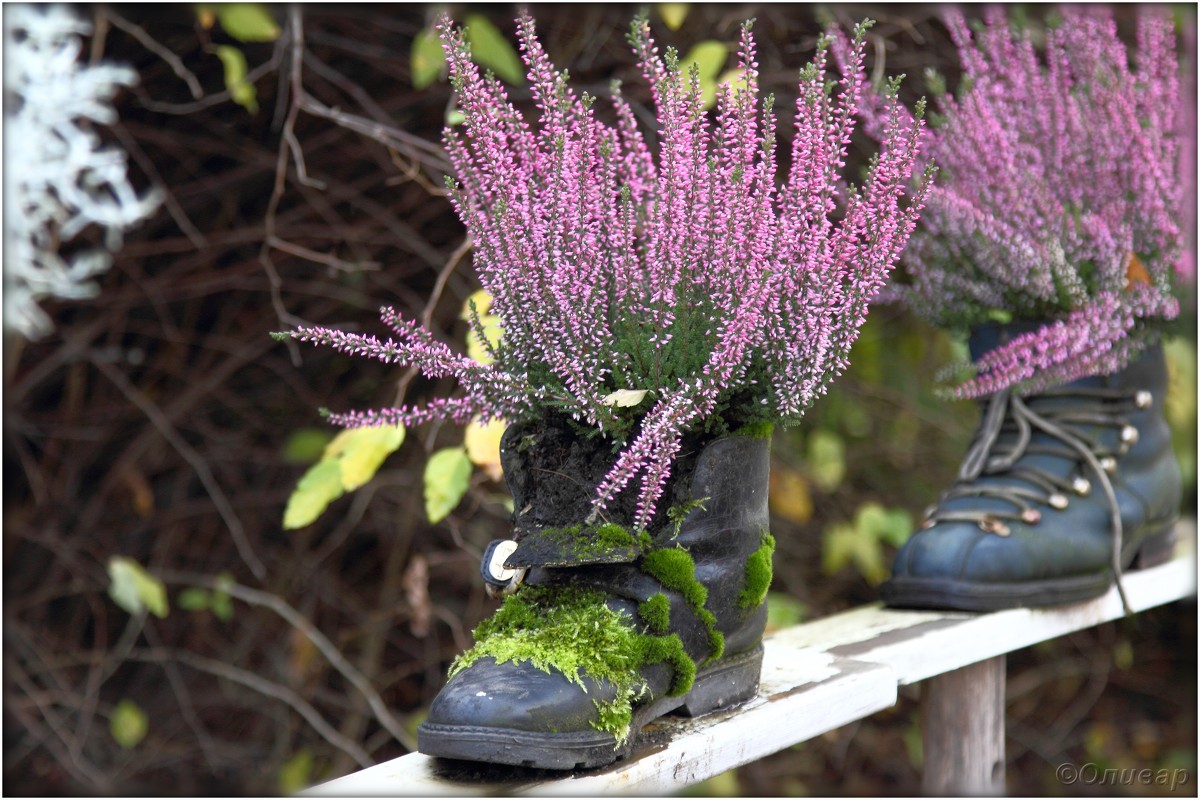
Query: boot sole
{"points": [[727, 683], [945, 593]]}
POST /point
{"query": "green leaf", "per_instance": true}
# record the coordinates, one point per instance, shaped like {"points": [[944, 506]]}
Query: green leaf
{"points": [[350, 459], [892, 526], [673, 14], [222, 604], [134, 589], [862, 542], [447, 476], [783, 610], [708, 57], [490, 49], [1180, 403], [247, 22], [826, 462], [844, 544], [361, 451], [320, 486], [242, 92], [296, 773], [128, 724], [455, 117], [306, 445], [426, 59], [194, 599]]}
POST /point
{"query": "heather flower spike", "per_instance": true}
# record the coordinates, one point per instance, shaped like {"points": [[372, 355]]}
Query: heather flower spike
{"points": [[1058, 197], [677, 265]]}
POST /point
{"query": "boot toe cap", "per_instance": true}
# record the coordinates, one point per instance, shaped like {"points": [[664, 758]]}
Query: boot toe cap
{"points": [[517, 696]]}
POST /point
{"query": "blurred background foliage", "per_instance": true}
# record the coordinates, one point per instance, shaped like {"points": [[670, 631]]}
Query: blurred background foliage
{"points": [[164, 633]]}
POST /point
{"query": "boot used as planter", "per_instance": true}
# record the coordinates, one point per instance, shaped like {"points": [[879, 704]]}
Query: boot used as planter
{"points": [[1060, 492], [605, 630]]}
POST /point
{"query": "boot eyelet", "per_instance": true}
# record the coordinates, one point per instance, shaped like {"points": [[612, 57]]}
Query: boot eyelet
{"points": [[1081, 485], [1031, 515], [1108, 464], [993, 525], [1143, 399], [1129, 435], [1058, 501]]}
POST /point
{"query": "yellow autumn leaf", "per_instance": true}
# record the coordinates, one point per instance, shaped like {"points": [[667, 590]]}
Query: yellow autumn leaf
{"points": [[624, 398], [482, 301], [790, 497], [476, 350], [483, 445], [673, 14], [350, 460], [361, 451]]}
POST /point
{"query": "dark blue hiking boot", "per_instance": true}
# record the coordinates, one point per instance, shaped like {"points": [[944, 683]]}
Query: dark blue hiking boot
{"points": [[1058, 494]]}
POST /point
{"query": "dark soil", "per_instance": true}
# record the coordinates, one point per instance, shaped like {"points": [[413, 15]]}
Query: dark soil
{"points": [[553, 467]]}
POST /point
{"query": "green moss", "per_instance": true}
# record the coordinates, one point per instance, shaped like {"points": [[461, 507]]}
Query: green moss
{"points": [[756, 430], [610, 534], [758, 574], [574, 632], [675, 569], [669, 649], [568, 630], [584, 543], [656, 613]]}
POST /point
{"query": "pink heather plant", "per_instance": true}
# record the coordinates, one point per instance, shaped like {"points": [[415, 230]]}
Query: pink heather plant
{"points": [[1058, 197], [678, 267]]}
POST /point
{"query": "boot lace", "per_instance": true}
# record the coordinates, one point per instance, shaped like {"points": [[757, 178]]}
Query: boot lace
{"points": [[1071, 427]]}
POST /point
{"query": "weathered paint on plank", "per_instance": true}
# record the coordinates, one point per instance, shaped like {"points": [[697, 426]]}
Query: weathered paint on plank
{"points": [[816, 677]]}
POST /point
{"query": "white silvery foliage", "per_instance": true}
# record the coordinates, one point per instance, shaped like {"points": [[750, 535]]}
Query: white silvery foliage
{"points": [[58, 178]]}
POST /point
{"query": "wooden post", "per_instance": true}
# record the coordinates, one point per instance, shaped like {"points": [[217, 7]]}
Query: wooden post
{"points": [[962, 730]]}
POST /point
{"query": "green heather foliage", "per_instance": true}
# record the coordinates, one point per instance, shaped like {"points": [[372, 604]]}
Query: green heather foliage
{"points": [[653, 284], [758, 574]]}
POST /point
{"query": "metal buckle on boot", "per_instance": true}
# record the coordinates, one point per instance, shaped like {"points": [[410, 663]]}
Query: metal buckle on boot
{"points": [[498, 579]]}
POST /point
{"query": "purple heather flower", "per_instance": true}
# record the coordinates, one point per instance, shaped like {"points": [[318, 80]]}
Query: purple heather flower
{"points": [[1058, 197], [676, 264]]}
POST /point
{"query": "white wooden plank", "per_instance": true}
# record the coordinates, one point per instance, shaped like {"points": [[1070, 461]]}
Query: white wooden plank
{"points": [[803, 694], [782, 714], [816, 677], [920, 644]]}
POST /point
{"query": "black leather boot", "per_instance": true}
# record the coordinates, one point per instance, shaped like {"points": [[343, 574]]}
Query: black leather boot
{"points": [[1059, 493], [604, 630]]}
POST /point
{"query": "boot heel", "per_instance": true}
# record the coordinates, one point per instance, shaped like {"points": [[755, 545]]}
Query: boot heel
{"points": [[732, 681], [1156, 549]]}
